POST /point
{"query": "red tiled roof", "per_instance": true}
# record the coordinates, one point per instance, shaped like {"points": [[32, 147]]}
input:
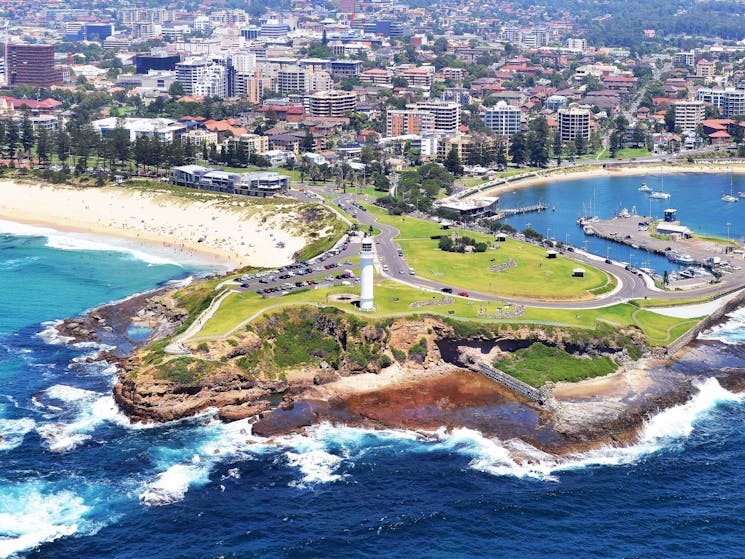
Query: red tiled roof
{"points": [[719, 134]]}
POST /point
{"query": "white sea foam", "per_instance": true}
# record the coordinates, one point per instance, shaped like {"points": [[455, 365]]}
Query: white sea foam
{"points": [[80, 242], [91, 410], [730, 332], [30, 515], [12, 431], [51, 335], [171, 486]]}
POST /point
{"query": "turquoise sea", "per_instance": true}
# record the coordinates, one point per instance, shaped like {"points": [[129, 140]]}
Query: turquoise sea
{"points": [[77, 480]]}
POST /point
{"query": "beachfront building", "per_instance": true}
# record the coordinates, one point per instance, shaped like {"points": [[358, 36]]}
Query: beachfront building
{"points": [[259, 185], [730, 101], [475, 208], [165, 129], [503, 119], [688, 115], [574, 122]]}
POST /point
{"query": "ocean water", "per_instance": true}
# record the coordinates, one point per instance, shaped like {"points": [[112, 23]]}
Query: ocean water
{"points": [[77, 480]]}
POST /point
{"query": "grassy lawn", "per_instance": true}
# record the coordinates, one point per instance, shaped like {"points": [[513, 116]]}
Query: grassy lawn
{"points": [[539, 364], [534, 276], [394, 299]]}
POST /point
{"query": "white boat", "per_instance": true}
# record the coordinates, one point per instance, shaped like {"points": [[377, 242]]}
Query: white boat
{"points": [[741, 194], [644, 188], [660, 195], [588, 230], [624, 213], [684, 259], [730, 197]]}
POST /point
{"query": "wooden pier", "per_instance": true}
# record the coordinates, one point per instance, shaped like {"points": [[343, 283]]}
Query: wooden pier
{"points": [[509, 212]]}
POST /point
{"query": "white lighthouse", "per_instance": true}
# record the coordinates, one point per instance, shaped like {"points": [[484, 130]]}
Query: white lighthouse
{"points": [[367, 272]]}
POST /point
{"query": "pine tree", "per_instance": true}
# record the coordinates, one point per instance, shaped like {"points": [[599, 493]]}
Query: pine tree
{"points": [[452, 162], [558, 148], [518, 149], [501, 157], [42, 146]]}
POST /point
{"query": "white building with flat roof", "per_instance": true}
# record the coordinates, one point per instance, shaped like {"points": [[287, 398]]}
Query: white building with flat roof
{"points": [[165, 129]]}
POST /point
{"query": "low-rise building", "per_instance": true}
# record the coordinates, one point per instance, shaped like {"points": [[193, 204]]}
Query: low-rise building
{"points": [[260, 184], [165, 129]]}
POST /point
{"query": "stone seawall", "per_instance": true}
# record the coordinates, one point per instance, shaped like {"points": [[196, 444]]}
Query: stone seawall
{"points": [[732, 304]]}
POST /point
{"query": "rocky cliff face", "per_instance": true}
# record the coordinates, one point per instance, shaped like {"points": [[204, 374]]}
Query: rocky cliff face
{"points": [[289, 351]]}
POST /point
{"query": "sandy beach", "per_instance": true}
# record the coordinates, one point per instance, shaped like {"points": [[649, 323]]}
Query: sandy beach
{"points": [[630, 169], [226, 230]]}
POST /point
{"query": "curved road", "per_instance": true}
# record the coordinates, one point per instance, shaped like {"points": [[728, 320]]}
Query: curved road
{"points": [[630, 285]]}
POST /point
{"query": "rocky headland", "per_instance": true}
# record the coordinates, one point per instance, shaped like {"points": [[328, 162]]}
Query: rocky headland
{"points": [[302, 366]]}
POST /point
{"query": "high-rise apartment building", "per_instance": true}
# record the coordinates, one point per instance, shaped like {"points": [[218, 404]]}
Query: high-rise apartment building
{"points": [[503, 119], [408, 122], [32, 65], [688, 115], [574, 122], [332, 103], [446, 114], [730, 101], [202, 76]]}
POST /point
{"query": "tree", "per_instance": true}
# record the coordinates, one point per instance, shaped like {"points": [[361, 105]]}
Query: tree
{"points": [[452, 162], [27, 133], [12, 136], [63, 147], [538, 142], [501, 156], [580, 144], [558, 148], [518, 149], [670, 119], [176, 90], [307, 143], [43, 146], [120, 142], [381, 183]]}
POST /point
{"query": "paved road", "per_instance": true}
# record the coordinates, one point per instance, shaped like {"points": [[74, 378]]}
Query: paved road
{"points": [[630, 285]]}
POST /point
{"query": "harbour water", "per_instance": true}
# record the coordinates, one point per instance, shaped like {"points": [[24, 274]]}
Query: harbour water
{"points": [[697, 197], [77, 480]]}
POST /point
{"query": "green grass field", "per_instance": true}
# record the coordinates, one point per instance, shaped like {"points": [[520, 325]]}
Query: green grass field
{"points": [[534, 275], [395, 299]]}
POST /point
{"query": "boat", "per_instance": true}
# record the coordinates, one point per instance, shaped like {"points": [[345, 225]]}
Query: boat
{"points": [[644, 188], [685, 259], [730, 197], [624, 213], [659, 194], [588, 230], [741, 194]]}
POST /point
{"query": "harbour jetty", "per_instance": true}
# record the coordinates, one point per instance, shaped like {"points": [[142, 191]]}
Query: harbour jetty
{"points": [[637, 232]]}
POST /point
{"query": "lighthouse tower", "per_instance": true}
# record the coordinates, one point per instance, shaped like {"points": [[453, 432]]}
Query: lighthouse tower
{"points": [[366, 274]]}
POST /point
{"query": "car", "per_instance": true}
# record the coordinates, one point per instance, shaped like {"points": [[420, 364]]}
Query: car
{"points": [[570, 249], [263, 280], [245, 284], [385, 267], [259, 291], [400, 271], [464, 294], [412, 272], [447, 289], [377, 241], [608, 261]]}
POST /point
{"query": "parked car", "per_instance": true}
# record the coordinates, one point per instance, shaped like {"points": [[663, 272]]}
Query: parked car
{"points": [[464, 294], [447, 289]]}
